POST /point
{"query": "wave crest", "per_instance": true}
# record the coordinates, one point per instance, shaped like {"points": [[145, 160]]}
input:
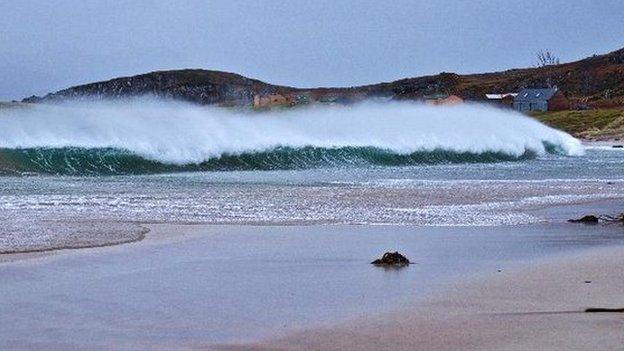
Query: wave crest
{"points": [[148, 137]]}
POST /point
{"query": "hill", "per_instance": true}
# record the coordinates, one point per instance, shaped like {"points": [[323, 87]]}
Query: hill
{"points": [[193, 85], [597, 81]]}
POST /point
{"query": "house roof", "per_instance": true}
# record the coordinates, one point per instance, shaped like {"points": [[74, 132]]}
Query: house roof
{"points": [[499, 96], [530, 95]]}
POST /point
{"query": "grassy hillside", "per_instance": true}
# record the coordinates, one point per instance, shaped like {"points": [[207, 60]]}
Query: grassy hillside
{"points": [[596, 81], [592, 124]]}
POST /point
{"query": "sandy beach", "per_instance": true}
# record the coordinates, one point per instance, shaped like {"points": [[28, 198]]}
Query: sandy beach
{"points": [[537, 308], [204, 287]]}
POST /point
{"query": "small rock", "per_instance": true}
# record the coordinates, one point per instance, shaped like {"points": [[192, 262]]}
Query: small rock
{"points": [[618, 146], [588, 282], [589, 219], [604, 310], [392, 259]]}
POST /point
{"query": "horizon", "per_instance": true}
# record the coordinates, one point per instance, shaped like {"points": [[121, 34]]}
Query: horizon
{"points": [[321, 44]]}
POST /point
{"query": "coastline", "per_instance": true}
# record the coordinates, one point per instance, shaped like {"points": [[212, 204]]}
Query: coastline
{"points": [[312, 176], [144, 232], [86, 243], [212, 287], [536, 307]]}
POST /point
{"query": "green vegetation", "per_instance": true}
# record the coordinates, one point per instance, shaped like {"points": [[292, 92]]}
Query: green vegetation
{"points": [[591, 124]]}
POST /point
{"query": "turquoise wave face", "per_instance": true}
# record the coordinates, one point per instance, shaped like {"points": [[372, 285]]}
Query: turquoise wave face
{"points": [[110, 161]]}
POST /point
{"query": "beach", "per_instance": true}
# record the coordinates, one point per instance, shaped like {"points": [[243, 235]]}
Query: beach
{"points": [[204, 287], [536, 308]]}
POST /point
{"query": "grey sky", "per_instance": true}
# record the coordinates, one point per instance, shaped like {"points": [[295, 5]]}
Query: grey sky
{"points": [[49, 45]]}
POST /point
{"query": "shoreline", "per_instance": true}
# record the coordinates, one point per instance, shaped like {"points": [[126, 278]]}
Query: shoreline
{"points": [[140, 237], [197, 275], [551, 213], [539, 306], [19, 255]]}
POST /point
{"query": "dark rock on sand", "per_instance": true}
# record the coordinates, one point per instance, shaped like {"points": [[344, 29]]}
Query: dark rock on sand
{"points": [[618, 146], [604, 310], [392, 259], [589, 219]]}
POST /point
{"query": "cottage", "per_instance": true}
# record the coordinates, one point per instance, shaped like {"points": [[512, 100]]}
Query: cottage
{"points": [[443, 99], [260, 101], [542, 99], [502, 100]]}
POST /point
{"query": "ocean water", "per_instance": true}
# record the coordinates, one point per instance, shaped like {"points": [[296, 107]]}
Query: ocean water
{"points": [[91, 174]]}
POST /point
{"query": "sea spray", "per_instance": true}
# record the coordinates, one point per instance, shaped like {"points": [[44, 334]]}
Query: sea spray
{"points": [[151, 136]]}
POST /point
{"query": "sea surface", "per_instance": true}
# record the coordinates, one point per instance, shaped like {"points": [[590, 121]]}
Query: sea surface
{"points": [[38, 212], [92, 174]]}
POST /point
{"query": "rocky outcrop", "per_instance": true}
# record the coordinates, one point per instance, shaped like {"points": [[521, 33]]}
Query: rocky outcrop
{"points": [[197, 86]]}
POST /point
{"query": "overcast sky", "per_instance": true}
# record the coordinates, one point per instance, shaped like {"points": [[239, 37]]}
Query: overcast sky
{"points": [[53, 44]]}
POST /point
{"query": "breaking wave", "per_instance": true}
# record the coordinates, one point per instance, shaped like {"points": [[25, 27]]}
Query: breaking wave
{"points": [[142, 137]]}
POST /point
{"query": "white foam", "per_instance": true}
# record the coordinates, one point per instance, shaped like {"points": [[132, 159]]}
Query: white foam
{"points": [[180, 133]]}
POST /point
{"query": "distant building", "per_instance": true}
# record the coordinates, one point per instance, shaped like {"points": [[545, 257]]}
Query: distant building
{"points": [[503, 100], [442, 99], [543, 99], [272, 100]]}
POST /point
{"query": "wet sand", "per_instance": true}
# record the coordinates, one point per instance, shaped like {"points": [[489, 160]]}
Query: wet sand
{"points": [[198, 287], [536, 308], [48, 236]]}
